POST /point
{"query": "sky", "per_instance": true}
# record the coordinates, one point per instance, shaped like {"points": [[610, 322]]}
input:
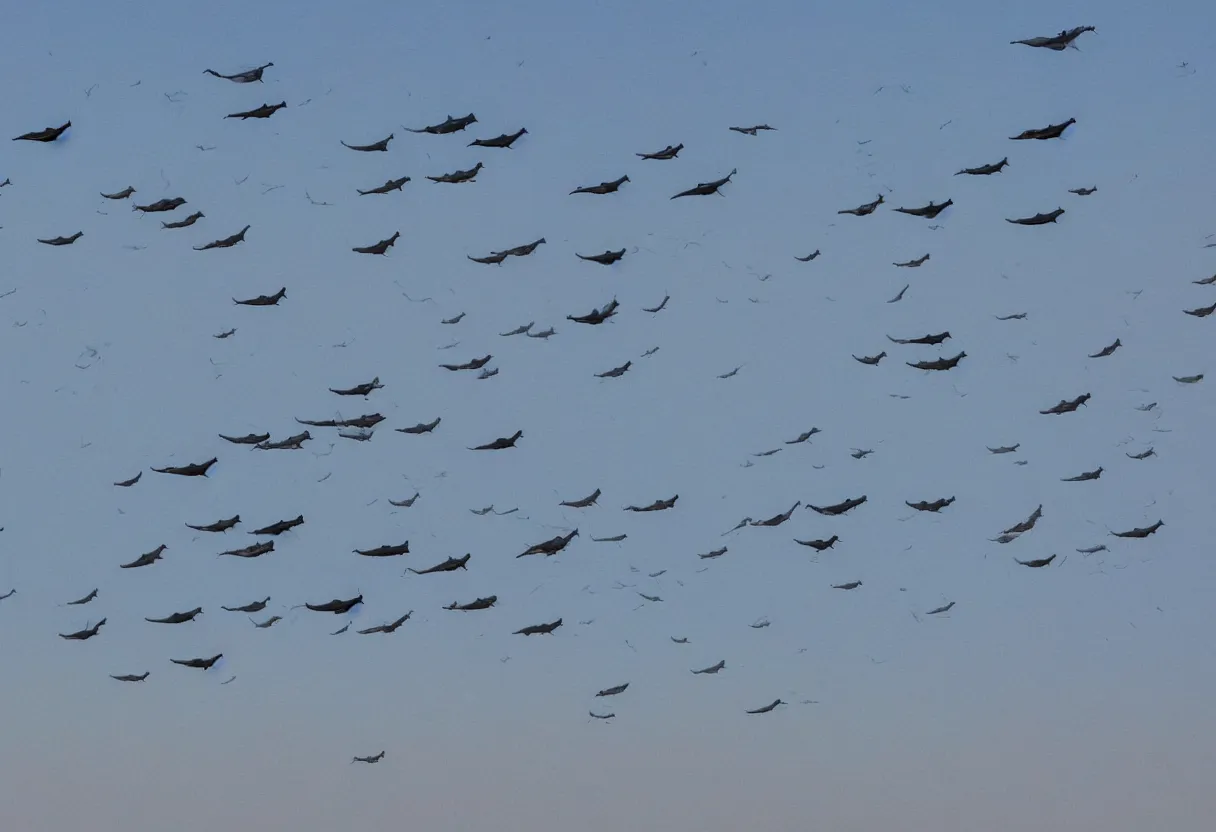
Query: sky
{"points": [[1075, 696]]}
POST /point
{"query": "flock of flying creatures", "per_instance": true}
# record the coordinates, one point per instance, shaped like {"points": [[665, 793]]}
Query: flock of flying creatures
{"points": [[361, 428]]}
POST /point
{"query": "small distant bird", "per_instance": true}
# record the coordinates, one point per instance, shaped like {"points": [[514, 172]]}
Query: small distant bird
{"points": [[123, 194], [1039, 219], [45, 135], [711, 670], [226, 242], [458, 177], [131, 677], [62, 241], [504, 140], [375, 758], [263, 300], [380, 146], [864, 210], [380, 247], [196, 469], [1082, 191], [1056, 43], [501, 443], [914, 263], [1108, 350], [669, 152], [265, 111], [85, 634], [939, 610], [388, 187], [929, 211], [1141, 532], [1051, 131], [199, 664], [613, 691], [707, 188], [246, 77], [602, 188], [1038, 563], [985, 170], [771, 706], [448, 125], [752, 131], [809, 257], [539, 629]]}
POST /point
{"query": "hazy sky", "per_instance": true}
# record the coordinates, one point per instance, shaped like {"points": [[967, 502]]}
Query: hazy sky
{"points": [[1076, 696]]}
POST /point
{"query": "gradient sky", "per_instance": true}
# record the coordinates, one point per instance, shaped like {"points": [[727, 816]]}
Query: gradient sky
{"points": [[1076, 696]]}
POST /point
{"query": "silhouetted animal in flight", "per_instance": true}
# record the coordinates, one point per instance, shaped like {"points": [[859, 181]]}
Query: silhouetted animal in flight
{"points": [[196, 469], [864, 210], [184, 223], [605, 259], [771, 706], [226, 242], [48, 134], [500, 443], [1039, 219], [263, 300], [265, 111], [985, 170], [602, 188], [380, 146], [387, 187], [123, 194], [669, 152], [160, 206], [380, 247], [503, 140], [375, 758], [1051, 131], [927, 211], [146, 559], [539, 629], [752, 131], [199, 664], [246, 77], [1056, 43], [448, 125], [459, 176], [85, 634], [707, 188], [449, 565], [177, 617], [62, 241]]}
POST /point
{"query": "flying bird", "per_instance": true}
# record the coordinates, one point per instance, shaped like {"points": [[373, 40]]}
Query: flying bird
{"points": [[197, 469], [864, 210], [375, 758], [602, 188], [336, 606], [669, 152], [929, 211], [752, 131], [985, 170], [129, 482], [711, 670], [62, 241], [391, 627], [448, 125], [146, 559], [1039, 219], [199, 664], [1037, 563], [265, 111], [503, 140], [539, 629], [449, 565], [501, 443], [1056, 43], [85, 634], [123, 194], [388, 187], [263, 300], [842, 507], [177, 617], [381, 145], [252, 606], [707, 188], [48, 134], [184, 223], [380, 247], [459, 176], [226, 242], [1051, 131], [771, 706], [657, 505], [246, 77]]}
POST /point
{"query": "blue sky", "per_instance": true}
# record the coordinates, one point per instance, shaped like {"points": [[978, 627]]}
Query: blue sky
{"points": [[1074, 696]]}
